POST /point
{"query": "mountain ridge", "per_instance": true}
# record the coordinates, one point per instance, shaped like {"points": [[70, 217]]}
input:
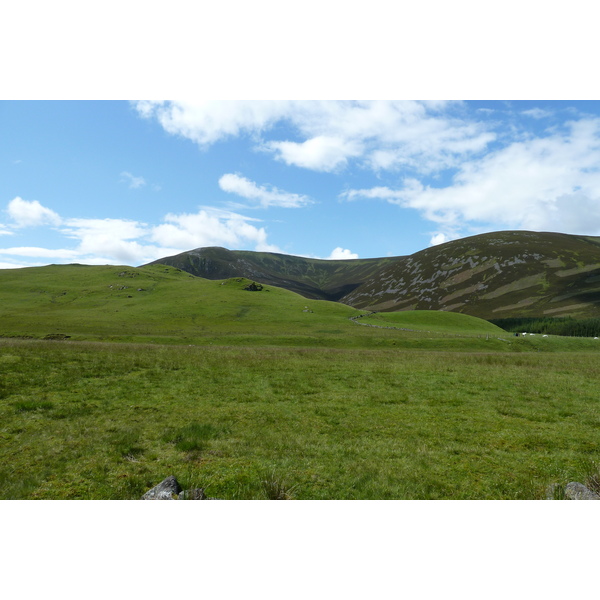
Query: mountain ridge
{"points": [[491, 275], [313, 278]]}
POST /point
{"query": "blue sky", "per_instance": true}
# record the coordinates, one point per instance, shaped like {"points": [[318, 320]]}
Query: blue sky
{"points": [[118, 182]]}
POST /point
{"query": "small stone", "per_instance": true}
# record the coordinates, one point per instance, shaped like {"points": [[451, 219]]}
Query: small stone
{"points": [[165, 490], [195, 494], [578, 491]]}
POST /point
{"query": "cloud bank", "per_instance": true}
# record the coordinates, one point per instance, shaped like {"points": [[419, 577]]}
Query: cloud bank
{"points": [[377, 134], [549, 183], [122, 241]]}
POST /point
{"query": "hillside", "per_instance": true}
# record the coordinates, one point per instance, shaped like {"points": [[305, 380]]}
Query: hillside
{"points": [[96, 302], [505, 274], [491, 276], [309, 277], [161, 304]]}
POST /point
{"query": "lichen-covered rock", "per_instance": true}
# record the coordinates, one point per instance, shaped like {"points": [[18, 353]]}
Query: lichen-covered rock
{"points": [[165, 490], [578, 491], [195, 494]]}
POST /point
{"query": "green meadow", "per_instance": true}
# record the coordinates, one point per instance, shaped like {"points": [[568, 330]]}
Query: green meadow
{"points": [[113, 378]]}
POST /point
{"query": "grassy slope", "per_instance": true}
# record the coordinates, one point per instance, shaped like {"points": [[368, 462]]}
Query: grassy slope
{"points": [[434, 321], [163, 304], [156, 300]]}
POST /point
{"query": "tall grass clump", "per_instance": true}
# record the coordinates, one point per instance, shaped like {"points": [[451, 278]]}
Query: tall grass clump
{"points": [[192, 438]]}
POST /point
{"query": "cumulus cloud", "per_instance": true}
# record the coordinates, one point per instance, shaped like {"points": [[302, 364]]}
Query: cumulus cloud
{"points": [[443, 237], [320, 153], [382, 134], [266, 197], [210, 227], [545, 183], [341, 254], [123, 241], [30, 213], [110, 238], [133, 181], [206, 122]]}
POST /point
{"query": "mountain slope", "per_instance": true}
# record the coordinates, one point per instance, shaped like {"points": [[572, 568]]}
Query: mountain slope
{"points": [[312, 278], [494, 275]]}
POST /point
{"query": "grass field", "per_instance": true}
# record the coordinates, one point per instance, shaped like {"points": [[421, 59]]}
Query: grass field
{"points": [[99, 420], [270, 395]]}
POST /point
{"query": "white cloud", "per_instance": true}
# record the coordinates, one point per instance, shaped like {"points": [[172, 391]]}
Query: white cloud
{"points": [[122, 241], [110, 238], [39, 252], [30, 213], [18, 265], [537, 113], [550, 183], [210, 227], [382, 134], [320, 153], [133, 181], [342, 254], [443, 237], [207, 122], [241, 186]]}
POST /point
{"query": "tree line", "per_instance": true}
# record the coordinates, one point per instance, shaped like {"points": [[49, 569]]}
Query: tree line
{"points": [[568, 326]]}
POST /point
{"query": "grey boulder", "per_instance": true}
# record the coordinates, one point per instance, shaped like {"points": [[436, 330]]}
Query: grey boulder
{"points": [[578, 491], [165, 490]]}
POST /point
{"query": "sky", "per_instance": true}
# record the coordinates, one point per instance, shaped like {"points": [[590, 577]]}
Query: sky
{"points": [[129, 182]]}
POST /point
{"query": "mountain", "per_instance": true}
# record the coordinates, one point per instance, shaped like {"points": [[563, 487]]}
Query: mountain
{"points": [[309, 277], [491, 276]]}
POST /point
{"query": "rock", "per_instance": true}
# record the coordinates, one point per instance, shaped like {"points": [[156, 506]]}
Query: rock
{"points": [[578, 491], [165, 490], [555, 492], [254, 287], [195, 494]]}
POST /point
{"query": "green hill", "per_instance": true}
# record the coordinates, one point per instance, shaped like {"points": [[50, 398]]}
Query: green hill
{"points": [[163, 304], [433, 321], [106, 301]]}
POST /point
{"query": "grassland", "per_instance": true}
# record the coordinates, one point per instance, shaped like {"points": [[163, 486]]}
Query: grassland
{"points": [[268, 394], [92, 420]]}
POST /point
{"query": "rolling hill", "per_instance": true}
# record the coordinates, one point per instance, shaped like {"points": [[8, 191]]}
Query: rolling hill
{"points": [[162, 304], [491, 276], [309, 277]]}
